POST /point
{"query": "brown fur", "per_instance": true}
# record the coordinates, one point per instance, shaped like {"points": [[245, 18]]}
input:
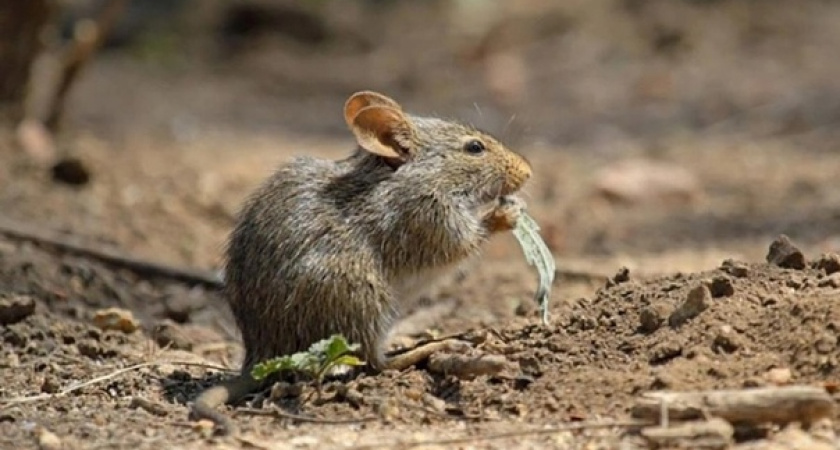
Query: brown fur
{"points": [[325, 247]]}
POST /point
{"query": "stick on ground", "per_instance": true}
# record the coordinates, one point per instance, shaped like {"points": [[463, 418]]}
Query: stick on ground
{"points": [[775, 404], [75, 245], [87, 40], [8, 402]]}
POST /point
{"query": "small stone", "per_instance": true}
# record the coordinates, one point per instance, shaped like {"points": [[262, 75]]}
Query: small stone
{"points": [[794, 282], [793, 437], [15, 308], [784, 254], [727, 340], [12, 361], [522, 382], [413, 394], [735, 268], [351, 396], [622, 276], [168, 334], [530, 365], [662, 381], [50, 385], [665, 352], [47, 440], [435, 403], [149, 406], [388, 410], [823, 429], [829, 262], [179, 303], [116, 319], [752, 382], [89, 348], [826, 344], [697, 301], [779, 376], [769, 300], [831, 281], [71, 171], [700, 354], [651, 318], [721, 287]]}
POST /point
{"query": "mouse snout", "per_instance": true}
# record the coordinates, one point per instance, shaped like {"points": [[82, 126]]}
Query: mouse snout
{"points": [[518, 171]]}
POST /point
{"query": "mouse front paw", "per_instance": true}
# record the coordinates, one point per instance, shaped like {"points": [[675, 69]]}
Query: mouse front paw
{"points": [[505, 215]]}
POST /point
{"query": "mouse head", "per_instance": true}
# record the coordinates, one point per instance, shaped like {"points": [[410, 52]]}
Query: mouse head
{"points": [[471, 159]]}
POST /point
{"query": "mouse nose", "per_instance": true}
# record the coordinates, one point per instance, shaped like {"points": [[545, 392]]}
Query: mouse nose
{"points": [[518, 172]]}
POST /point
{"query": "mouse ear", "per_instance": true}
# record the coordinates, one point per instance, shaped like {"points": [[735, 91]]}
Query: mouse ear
{"points": [[384, 131], [363, 99]]}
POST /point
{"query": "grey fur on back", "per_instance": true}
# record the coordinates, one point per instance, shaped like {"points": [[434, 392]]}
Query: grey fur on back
{"points": [[322, 243]]}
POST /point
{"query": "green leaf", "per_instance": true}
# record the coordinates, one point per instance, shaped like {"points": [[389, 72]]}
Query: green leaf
{"points": [[338, 346], [314, 362], [348, 360], [266, 368], [320, 347]]}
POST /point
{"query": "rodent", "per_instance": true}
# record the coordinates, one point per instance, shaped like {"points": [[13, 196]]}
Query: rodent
{"points": [[325, 247]]}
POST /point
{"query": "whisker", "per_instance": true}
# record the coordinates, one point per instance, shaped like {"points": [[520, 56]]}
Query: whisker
{"points": [[478, 109], [526, 193], [507, 126]]}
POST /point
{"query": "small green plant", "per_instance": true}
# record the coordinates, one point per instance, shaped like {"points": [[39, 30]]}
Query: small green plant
{"points": [[314, 362]]}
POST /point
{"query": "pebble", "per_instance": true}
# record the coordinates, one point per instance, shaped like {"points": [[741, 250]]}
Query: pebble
{"points": [[784, 254], [697, 301], [831, 281], [15, 308], [727, 340], [793, 438], [721, 287], [735, 268], [168, 334], [829, 262], [47, 440], [779, 376], [118, 319], [71, 171], [651, 318]]}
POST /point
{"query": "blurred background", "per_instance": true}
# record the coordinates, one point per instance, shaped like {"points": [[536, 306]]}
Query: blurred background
{"points": [[666, 134]]}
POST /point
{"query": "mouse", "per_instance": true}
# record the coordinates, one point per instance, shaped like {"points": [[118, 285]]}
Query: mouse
{"points": [[325, 247]]}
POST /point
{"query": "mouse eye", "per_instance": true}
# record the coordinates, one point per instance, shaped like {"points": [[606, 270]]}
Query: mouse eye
{"points": [[474, 147]]}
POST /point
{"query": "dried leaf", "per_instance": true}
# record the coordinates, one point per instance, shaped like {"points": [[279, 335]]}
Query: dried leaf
{"points": [[536, 254]]}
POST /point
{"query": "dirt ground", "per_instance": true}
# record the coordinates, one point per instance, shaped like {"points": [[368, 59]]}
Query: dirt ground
{"points": [[738, 99]]}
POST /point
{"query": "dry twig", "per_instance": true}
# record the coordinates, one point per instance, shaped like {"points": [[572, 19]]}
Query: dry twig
{"points": [[75, 245], [773, 404], [712, 433], [89, 36], [110, 376], [509, 434], [278, 413], [467, 366]]}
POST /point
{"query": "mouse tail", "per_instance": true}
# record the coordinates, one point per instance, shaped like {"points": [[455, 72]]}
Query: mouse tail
{"points": [[230, 391]]}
